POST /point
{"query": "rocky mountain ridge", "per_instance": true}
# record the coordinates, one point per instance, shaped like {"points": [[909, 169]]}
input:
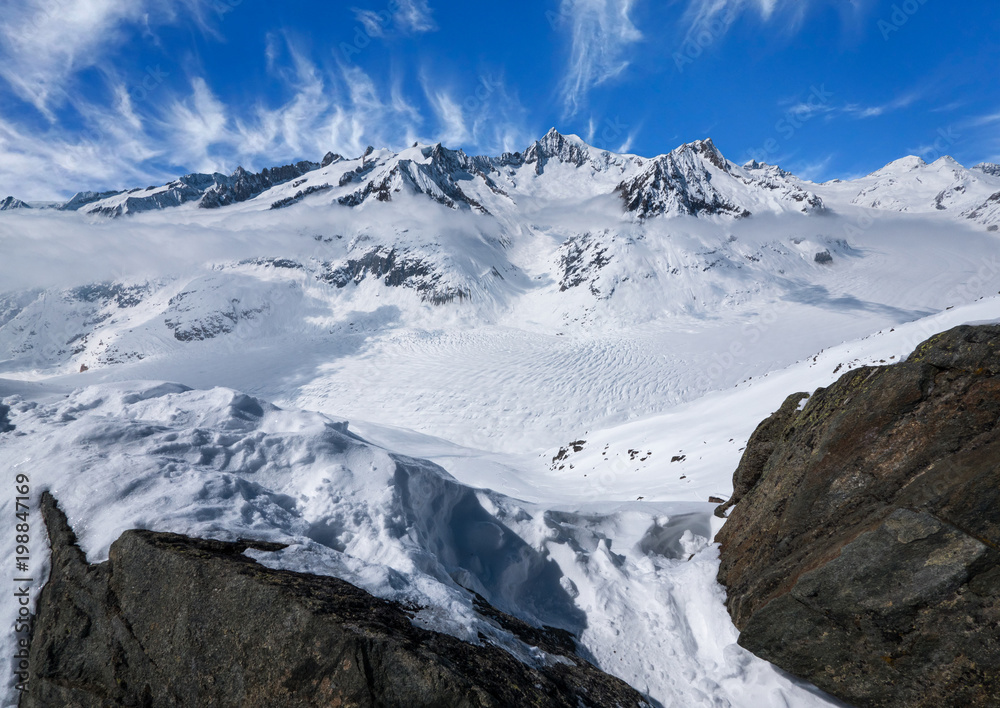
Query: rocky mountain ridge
{"points": [[693, 180]]}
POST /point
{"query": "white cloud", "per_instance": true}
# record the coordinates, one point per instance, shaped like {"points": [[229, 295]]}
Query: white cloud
{"points": [[195, 125], [716, 16], [859, 111], [817, 170], [488, 116], [454, 130], [133, 139], [415, 16], [45, 42], [980, 121], [601, 31], [371, 21], [711, 19]]}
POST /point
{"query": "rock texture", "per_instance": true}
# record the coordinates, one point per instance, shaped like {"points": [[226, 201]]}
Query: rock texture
{"points": [[864, 552], [175, 621]]}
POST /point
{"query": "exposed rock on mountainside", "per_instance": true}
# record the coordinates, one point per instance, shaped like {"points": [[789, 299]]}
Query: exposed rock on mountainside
{"points": [[760, 447], [678, 183], [864, 552], [987, 213], [396, 269], [438, 178], [170, 620], [989, 168], [696, 180], [243, 185], [209, 190], [82, 199]]}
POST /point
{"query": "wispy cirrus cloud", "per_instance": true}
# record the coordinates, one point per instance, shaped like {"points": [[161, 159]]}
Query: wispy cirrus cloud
{"points": [[805, 110], [43, 43], [715, 17], [488, 116], [874, 111], [415, 16], [720, 14], [187, 126], [409, 16], [601, 31]]}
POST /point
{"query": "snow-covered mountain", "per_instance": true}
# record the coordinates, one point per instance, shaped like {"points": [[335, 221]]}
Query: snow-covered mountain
{"points": [[582, 340], [558, 237], [913, 186], [9, 203], [693, 180]]}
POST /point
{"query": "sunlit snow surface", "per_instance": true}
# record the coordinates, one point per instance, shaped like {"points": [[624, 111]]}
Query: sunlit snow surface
{"points": [[550, 444]]}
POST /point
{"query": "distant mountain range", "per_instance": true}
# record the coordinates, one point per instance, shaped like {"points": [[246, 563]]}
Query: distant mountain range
{"points": [[695, 180], [561, 234]]}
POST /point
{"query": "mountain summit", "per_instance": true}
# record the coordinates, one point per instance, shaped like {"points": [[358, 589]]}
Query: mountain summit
{"points": [[695, 179]]}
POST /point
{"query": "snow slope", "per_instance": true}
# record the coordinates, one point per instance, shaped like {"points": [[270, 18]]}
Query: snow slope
{"points": [[634, 579], [635, 582], [552, 358]]}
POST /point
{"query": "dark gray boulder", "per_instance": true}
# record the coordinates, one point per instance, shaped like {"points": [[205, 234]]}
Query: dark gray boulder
{"points": [[170, 620], [865, 558]]}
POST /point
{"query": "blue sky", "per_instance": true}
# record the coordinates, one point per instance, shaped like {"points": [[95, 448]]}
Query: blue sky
{"points": [[99, 94]]}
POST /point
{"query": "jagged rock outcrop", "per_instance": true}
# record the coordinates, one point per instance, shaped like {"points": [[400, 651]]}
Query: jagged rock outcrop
{"points": [[760, 447], [135, 201], [300, 195], [697, 180], [10, 203], [555, 146], [396, 269], [243, 185], [863, 554], [170, 620]]}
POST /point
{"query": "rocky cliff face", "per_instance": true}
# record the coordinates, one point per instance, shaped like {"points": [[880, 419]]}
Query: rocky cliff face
{"points": [[863, 554], [170, 620]]}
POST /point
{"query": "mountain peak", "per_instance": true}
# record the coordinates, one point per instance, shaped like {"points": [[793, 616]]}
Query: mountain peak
{"points": [[556, 146], [11, 203], [705, 149], [903, 164]]}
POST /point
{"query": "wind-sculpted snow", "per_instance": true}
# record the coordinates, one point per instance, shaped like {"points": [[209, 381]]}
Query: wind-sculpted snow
{"points": [[634, 583]]}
